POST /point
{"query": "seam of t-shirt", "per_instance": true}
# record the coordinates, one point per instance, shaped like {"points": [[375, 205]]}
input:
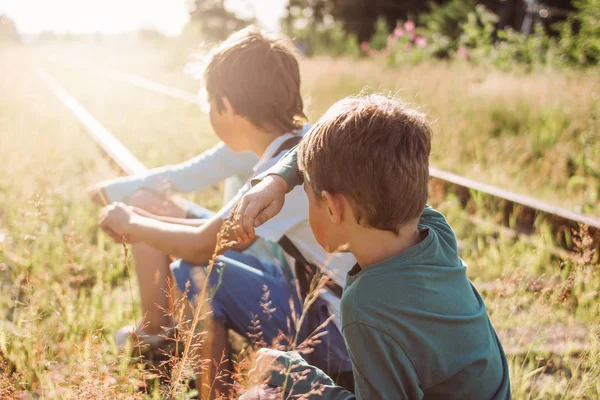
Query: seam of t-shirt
{"points": [[367, 380], [357, 367], [394, 340]]}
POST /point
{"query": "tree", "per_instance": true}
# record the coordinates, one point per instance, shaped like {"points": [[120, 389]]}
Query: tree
{"points": [[8, 29], [216, 22]]}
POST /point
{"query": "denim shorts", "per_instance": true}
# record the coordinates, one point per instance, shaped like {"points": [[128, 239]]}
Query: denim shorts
{"points": [[264, 250], [257, 300]]}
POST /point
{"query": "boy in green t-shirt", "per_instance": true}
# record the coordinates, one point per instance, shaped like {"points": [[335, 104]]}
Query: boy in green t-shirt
{"points": [[414, 325]]}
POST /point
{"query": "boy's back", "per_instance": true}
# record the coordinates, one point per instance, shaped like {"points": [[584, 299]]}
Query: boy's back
{"points": [[415, 325]]}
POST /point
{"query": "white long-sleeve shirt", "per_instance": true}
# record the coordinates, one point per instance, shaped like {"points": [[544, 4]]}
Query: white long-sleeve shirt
{"points": [[207, 169]]}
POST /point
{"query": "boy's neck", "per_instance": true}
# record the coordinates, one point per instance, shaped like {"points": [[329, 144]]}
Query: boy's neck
{"points": [[259, 139], [372, 246]]}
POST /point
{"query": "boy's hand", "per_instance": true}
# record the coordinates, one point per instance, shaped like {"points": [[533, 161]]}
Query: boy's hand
{"points": [[262, 392], [265, 363], [115, 220], [97, 194], [259, 205]]}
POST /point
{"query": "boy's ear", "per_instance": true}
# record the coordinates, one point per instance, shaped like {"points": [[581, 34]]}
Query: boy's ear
{"points": [[334, 204], [228, 109]]}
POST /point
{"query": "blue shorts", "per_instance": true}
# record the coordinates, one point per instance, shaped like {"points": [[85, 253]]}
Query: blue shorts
{"points": [[255, 299], [264, 250]]}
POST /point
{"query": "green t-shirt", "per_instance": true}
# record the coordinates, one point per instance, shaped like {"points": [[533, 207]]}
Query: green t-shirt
{"points": [[414, 326]]}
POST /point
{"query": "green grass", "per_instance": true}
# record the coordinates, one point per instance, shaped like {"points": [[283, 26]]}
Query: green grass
{"points": [[65, 288]]}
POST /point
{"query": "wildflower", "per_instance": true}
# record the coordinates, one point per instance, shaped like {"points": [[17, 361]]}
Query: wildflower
{"points": [[462, 53], [364, 46], [421, 42], [373, 53], [385, 52], [409, 26], [398, 32], [408, 46]]}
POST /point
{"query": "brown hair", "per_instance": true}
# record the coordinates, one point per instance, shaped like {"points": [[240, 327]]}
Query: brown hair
{"points": [[374, 150], [259, 74]]}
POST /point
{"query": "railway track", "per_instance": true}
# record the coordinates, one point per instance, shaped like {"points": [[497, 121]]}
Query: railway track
{"points": [[516, 214], [117, 154]]}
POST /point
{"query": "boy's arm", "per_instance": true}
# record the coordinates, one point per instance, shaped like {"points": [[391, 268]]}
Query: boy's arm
{"points": [[266, 198], [193, 244], [382, 369], [171, 220], [299, 379], [286, 168], [206, 169]]}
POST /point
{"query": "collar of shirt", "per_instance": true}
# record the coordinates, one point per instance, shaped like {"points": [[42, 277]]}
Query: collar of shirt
{"points": [[268, 155], [396, 261], [271, 149]]}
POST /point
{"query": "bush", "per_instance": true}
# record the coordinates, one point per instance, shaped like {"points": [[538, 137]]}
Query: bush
{"points": [[443, 26], [332, 40], [446, 20], [380, 36], [579, 42], [407, 46], [336, 42], [478, 33], [513, 47]]}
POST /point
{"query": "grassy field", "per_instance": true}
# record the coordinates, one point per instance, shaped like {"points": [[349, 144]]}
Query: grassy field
{"points": [[65, 289]]}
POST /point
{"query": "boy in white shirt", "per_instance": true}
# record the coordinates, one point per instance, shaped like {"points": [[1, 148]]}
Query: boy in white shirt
{"points": [[151, 192], [253, 83]]}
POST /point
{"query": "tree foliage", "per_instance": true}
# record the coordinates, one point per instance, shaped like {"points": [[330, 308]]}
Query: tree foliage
{"points": [[215, 21], [8, 29]]}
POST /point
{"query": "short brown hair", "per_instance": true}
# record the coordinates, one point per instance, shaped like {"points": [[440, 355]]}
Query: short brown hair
{"points": [[259, 74], [374, 150]]}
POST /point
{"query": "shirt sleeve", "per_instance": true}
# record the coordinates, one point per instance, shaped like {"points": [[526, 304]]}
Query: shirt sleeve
{"points": [[200, 172], [301, 380], [287, 168], [381, 370]]}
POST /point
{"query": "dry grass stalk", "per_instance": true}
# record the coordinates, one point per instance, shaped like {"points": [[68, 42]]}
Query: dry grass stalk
{"points": [[223, 243]]}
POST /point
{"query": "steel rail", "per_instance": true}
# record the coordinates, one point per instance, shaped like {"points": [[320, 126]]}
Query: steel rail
{"points": [[117, 152], [120, 156]]}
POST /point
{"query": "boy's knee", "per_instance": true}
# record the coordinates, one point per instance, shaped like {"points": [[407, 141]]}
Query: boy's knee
{"points": [[155, 203], [189, 278]]}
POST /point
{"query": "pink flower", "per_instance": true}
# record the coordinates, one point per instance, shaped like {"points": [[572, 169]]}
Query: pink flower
{"points": [[421, 42], [462, 53], [398, 32], [364, 46], [373, 53], [409, 26], [407, 46], [385, 52], [412, 36]]}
